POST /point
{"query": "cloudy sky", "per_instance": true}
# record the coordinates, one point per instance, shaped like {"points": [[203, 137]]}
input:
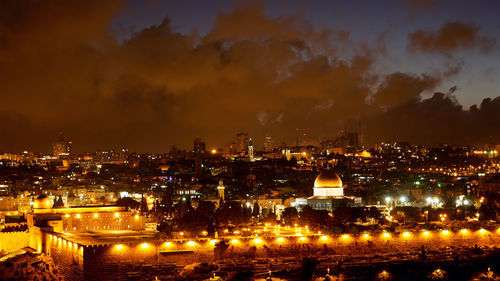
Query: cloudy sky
{"points": [[149, 74]]}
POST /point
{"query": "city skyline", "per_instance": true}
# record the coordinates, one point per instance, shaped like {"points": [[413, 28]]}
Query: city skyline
{"points": [[239, 140], [149, 75]]}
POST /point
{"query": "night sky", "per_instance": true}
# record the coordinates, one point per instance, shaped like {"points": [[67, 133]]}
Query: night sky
{"points": [[149, 74]]}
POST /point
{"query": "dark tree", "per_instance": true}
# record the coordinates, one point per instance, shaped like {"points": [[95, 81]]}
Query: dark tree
{"points": [[144, 205], [308, 215], [59, 202], [256, 210], [129, 203], [290, 215]]}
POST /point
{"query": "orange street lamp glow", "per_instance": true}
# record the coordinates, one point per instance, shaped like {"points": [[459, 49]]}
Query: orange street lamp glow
{"points": [[213, 242], [257, 240], [117, 215], [387, 235], [324, 238], [168, 244], [96, 216], [445, 232], [281, 239], [482, 231], [234, 241], [426, 233], [78, 216], [303, 238], [345, 236], [136, 216], [366, 236], [191, 243], [145, 245], [463, 231], [406, 234], [119, 246]]}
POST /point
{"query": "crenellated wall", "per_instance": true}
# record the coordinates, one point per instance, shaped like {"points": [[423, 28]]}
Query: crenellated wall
{"points": [[12, 241]]}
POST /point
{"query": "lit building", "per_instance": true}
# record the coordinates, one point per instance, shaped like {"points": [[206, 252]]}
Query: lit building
{"points": [[250, 151], [7, 203], [81, 219], [61, 148], [328, 194], [220, 190], [199, 146], [268, 143], [242, 143]]}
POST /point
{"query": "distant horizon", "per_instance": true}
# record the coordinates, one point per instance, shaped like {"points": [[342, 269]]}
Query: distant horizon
{"points": [[257, 148]]}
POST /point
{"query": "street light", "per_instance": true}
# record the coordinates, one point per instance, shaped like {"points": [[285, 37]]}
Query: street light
{"points": [[388, 200], [403, 199]]}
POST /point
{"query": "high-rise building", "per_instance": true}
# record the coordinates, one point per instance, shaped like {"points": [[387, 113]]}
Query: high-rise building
{"points": [[61, 148], [353, 134], [199, 146], [250, 151], [242, 143], [268, 143]]}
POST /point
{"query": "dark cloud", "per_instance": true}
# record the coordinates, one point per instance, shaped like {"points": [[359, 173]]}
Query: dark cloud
{"points": [[451, 37], [398, 88], [438, 119], [61, 72]]}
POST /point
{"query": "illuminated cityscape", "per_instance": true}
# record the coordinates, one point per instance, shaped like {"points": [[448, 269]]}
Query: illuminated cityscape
{"points": [[249, 140]]}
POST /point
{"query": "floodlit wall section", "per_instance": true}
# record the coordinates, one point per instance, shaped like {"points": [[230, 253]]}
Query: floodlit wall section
{"points": [[12, 241]]}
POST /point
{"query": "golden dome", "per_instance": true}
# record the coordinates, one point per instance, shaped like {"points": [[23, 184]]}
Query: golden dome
{"points": [[43, 202], [326, 179]]}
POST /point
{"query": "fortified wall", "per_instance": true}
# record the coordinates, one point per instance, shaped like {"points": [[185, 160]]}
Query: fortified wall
{"points": [[12, 241]]}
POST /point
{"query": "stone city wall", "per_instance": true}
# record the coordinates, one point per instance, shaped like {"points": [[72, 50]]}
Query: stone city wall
{"points": [[67, 256], [12, 241]]}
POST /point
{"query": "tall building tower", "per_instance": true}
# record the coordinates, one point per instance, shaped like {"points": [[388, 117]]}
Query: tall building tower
{"points": [[353, 134], [61, 148], [199, 146], [250, 151], [220, 190], [242, 143], [268, 143]]}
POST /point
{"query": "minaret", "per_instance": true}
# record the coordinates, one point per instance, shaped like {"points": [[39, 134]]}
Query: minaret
{"points": [[250, 151], [220, 190]]}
